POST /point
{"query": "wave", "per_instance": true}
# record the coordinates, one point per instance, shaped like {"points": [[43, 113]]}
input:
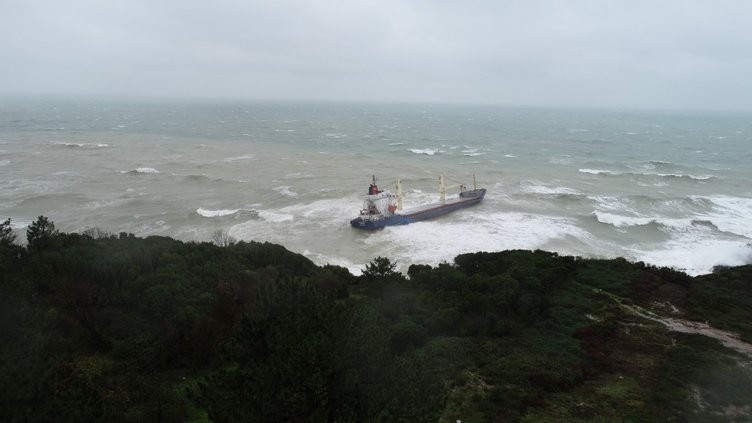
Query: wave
{"points": [[687, 228], [226, 212], [286, 191], [474, 230], [238, 158], [680, 176], [596, 171], [142, 170], [730, 214], [681, 215], [704, 223], [81, 145], [534, 188], [470, 151], [648, 174], [215, 213], [198, 178], [4, 162], [696, 256], [274, 217], [621, 221], [426, 151], [644, 206]]}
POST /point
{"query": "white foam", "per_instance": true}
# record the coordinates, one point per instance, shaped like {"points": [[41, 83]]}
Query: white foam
{"points": [[275, 217], [152, 227], [621, 221], [511, 156], [4, 162], [426, 151], [323, 259], [679, 175], [238, 158], [596, 171], [435, 241], [328, 214], [731, 214], [533, 188], [697, 256], [329, 211], [285, 190], [145, 170], [610, 203], [215, 213], [81, 145]]}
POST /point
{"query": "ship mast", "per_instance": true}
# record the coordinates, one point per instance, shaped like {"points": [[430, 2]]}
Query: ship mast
{"points": [[475, 185], [442, 188], [399, 194]]}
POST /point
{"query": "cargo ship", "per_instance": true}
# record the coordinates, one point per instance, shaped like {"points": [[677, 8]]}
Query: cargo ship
{"points": [[384, 208]]}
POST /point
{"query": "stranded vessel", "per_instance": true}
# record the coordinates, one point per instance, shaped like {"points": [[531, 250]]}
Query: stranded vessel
{"points": [[383, 208]]}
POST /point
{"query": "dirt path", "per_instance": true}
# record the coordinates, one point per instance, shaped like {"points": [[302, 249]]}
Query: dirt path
{"points": [[728, 339]]}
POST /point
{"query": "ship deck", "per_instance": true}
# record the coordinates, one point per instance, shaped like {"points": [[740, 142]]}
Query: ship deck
{"points": [[431, 206]]}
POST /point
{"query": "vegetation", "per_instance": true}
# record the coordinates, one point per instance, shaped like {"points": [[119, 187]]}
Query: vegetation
{"points": [[104, 327]]}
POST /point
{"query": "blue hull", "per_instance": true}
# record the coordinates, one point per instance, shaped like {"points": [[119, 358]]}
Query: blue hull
{"points": [[471, 198]]}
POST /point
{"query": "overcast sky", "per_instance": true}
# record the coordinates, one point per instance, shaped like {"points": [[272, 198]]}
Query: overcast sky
{"points": [[635, 54]]}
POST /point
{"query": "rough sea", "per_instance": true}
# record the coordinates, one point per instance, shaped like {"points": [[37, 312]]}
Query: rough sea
{"points": [[667, 188]]}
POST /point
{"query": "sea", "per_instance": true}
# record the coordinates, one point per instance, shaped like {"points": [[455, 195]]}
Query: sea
{"points": [[665, 188]]}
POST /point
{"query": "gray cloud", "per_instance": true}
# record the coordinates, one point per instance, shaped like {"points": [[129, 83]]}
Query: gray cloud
{"points": [[667, 54]]}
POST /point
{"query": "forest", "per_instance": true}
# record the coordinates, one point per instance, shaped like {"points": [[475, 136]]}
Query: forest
{"points": [[112, 327]]}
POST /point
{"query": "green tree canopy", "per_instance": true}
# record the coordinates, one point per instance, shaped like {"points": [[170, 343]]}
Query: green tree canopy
{"points": [[40, 234]]}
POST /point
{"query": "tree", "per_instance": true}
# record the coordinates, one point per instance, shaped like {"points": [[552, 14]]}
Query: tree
{"points": [[7, 237], [97, 233], [379, 268], [41, 233], [221, 238]]}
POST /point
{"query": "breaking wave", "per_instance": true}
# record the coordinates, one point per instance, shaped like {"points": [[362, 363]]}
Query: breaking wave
{"points": [[286, 191], [224, 212], [426, 151], [648, 174], [143, 170], [729, 215], [532, 187], [596, 171], [238, 158], [81, 145], [215, 213], [679, 176]]}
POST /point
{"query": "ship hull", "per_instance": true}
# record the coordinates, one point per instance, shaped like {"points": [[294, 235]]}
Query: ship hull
{"points": [[466, 199]]}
